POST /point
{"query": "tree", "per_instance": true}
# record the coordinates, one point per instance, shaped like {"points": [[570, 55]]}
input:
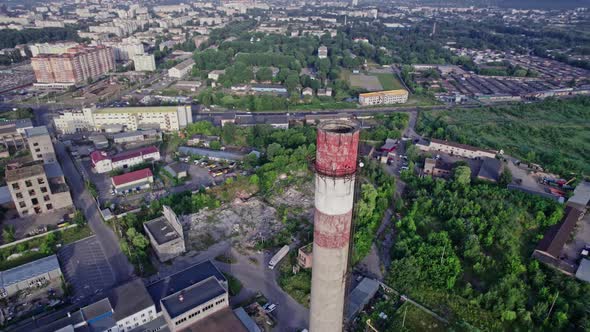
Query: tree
{"points": [[215, 145], [274, 150], [292, 81], [462, 175], [8, 234], [264, 74], [137, 239]]}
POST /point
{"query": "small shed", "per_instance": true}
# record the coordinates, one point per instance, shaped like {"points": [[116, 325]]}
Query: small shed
{"points": [[177, 170]]}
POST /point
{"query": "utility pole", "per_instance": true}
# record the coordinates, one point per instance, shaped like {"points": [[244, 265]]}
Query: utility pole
{"points": [[552, 304], [404, 319]]}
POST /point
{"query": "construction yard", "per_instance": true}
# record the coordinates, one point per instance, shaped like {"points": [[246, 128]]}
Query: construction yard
{"points": [[249, 222]]}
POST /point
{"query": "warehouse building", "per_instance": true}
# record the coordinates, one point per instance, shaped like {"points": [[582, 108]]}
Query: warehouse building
{"points": [[31, 275], [103, 163], [182, 69], [456, 149], [133, 181], [166, 235]]}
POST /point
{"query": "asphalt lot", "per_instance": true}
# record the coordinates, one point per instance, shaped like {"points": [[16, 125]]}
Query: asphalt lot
{"points": [[86, 268]]}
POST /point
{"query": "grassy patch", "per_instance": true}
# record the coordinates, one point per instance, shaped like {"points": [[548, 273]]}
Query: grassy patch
{"points": [[389, 82], [234, 285], [49, 247], [298, 286], [416, 319], [554, 133]]}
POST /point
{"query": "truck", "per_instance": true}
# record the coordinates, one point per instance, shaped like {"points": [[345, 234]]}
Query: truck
{"points": [[278, 256]]}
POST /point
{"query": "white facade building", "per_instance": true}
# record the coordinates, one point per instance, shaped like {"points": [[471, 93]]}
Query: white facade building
{"points": [[182, 69], [166, 118], [103, 163], [384, 97], [144, 62]]}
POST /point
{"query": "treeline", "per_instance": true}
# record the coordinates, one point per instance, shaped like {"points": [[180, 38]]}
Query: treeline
{"points": [[11, 38], [465, 250], [375, 197], [388, 126], [267, 59]]}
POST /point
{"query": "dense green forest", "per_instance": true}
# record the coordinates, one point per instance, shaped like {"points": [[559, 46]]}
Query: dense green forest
{"points": [[11, 38], [554, 133], [465, 251]]}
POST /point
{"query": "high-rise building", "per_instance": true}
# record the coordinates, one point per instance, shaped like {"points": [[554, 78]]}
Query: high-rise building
{"points": [[77, 65], [335, 168], [144, 62], [355, 3]]}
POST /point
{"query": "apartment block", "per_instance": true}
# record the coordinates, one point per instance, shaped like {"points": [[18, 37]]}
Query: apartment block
{"points": [[40, 144], [77, 65], [12, 133], [38, 188], [166, 118], [383, 97], [144, 62]]}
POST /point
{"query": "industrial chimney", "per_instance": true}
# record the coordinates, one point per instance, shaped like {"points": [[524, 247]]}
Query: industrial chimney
{"points": [[335, 167]]}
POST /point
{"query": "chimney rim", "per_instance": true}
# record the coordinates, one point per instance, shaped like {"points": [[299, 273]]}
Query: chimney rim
{"points": [[339, 126]]}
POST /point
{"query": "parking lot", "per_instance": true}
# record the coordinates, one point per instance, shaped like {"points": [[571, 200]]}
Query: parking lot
{"points": [[86, 268]]}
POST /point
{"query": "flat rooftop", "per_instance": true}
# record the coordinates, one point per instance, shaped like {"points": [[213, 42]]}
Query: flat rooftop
{"points": [[150, 109], [129, 299], [161, 230], [181, 280], [581, 194], [36, 131], [222, 321], [399, 92], [180, 302], [24, 172], [28, 271]]}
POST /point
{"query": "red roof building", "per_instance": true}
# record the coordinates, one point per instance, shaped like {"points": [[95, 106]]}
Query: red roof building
{"points": [[134, 153], [131, 178]]}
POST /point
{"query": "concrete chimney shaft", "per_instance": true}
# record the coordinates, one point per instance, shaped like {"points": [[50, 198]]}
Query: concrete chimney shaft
{"points": [[335, 167]]}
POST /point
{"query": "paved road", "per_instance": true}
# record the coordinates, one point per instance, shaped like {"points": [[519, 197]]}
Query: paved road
{"points": [[291, 315], [121, 267]]}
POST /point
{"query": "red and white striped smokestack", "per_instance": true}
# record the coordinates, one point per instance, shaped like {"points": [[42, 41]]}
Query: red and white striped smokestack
{"points": [[335, 166]]}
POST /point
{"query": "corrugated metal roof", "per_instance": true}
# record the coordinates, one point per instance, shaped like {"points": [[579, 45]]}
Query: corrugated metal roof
{"points": [[131, 177], [29, 270]]}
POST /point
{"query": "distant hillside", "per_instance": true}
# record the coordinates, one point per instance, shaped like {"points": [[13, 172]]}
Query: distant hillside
{"points": [[544, 4], [519, 4]]}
